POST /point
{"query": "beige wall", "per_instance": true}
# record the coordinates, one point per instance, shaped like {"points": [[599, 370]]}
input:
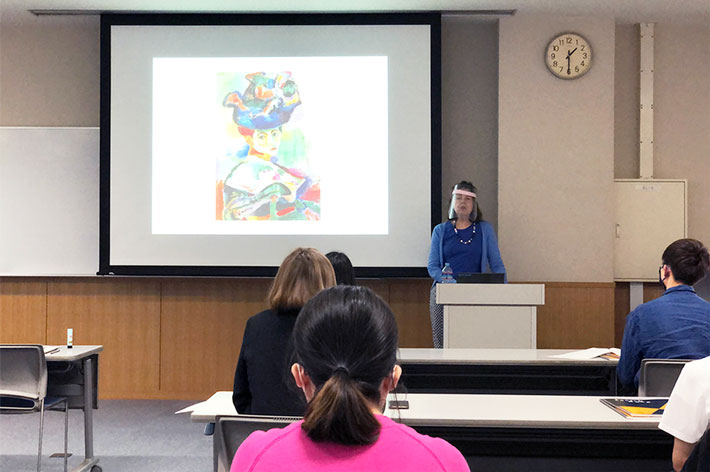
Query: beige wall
{"points": [[681, 112], [555, 155], [49, 76]]}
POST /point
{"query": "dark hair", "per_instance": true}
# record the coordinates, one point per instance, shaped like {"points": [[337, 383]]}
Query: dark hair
{"points": [[343, 268], [345, 338], [688, 259], [466, 185]]}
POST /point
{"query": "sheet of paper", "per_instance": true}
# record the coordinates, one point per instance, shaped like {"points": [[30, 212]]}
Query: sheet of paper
{"points": [[591, 353]]}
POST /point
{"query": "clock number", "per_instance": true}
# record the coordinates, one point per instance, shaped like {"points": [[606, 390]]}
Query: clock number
{"points": [[581, 63], [552, 56], [561, 68], [554, 63], [584, 56], [583, 46], [555, 48], [576, 68], [569, 40]]}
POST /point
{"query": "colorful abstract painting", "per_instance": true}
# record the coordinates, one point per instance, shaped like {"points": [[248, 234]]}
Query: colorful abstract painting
{"points": [[264, 172]]}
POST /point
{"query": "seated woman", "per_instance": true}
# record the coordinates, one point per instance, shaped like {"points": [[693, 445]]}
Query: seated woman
{"points": [[344, 274], [345, 343], [262, 384]]}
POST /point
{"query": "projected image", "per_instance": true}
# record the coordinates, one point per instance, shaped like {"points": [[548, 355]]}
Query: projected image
{"points": [[274, 146], [264, 173]]}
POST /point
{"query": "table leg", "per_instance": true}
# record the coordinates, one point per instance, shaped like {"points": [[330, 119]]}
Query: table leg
{"points": [[89, 463]]}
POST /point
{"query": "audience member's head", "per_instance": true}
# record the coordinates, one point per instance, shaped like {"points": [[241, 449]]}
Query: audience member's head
{"points": [[301, 275], [688, 260], [345, 343], [343, 268]]}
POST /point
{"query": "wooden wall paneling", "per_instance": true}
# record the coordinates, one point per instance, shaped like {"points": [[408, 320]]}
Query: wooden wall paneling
{"points": [[576, 316], [23, 310], [622, 298], [651, 291], [202, 324], [380, 286], [409, 300], [122, 314]]}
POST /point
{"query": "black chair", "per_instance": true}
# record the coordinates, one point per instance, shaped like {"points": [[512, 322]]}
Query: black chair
{"points": [[23, 387], [231, 431], [658, 376]]}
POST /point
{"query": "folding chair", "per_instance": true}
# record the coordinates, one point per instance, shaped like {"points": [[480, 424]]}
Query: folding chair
{"points": [[658, 376], [23, 387], [231, 431]]}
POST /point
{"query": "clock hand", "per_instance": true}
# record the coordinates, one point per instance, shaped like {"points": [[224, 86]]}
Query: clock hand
{"points": [[569, 70], [569, 53]]}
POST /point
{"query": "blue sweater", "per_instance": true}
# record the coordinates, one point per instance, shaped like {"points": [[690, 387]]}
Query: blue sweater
{"points": [[490, 254], [675, 325]]}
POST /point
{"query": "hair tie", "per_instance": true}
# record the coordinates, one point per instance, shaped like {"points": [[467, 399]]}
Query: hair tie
{"points": [[341, 368]]}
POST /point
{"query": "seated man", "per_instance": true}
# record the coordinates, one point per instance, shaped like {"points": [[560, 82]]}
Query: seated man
{"points": [[677, 324], [687, 415]]}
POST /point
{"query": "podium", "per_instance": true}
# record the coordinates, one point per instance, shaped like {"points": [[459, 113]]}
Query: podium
{"points": [[490, 315]]}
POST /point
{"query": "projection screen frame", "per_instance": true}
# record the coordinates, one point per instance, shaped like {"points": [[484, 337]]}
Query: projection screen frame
{"points": [[432, 19]]}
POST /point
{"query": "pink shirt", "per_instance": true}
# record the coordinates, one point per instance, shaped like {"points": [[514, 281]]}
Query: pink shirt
{"points": [[398, 447]]}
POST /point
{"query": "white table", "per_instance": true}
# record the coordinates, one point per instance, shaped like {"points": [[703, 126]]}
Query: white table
{"points": [[506, 371], [519, 433], [85, 398], [539, 432]]}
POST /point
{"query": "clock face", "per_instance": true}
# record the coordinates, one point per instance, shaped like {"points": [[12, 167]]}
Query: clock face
{"points": [[568, 56]]}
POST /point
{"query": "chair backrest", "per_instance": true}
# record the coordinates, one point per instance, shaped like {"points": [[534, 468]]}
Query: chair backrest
{"points": [[231, 431], [23, 372], [658, 376]]}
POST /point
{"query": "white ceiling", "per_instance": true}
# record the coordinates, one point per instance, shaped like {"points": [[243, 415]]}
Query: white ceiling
{"points": [[624, 11]]}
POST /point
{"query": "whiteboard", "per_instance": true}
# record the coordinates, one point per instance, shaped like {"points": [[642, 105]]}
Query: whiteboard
{"points": [[49, 201]]}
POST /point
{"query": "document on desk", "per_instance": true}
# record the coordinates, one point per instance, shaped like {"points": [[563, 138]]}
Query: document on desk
{"points": [[592, 353], [636, 407]]}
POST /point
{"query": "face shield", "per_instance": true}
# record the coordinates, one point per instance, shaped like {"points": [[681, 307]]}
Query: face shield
{"points": [[452, 207]]}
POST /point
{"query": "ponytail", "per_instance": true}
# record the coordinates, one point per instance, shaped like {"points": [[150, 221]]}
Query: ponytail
{"points": [[340, 412], [345, 339]]}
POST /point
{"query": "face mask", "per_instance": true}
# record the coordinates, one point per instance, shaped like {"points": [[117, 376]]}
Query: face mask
{"points": [[660, 277]]}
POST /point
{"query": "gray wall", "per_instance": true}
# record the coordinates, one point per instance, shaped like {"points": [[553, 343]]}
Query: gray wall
{"points": [[470, 109], [49, 72]]}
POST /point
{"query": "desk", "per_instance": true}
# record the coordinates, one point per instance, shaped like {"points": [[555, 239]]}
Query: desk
{"points": [[219, 404], [539, 432], [522, 433], [73, 373], [505, 371]]}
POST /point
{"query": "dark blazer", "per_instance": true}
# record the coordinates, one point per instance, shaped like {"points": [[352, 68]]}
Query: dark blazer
{"points": [[263, 384]]}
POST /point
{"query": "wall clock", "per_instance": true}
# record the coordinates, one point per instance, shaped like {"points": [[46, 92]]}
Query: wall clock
{"points": [[568, 56]]}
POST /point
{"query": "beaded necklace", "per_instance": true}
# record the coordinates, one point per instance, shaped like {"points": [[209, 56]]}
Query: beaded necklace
{"points": [[469, 239]]}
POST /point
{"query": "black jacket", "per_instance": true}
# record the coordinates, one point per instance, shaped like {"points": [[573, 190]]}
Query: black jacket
{"points": [[263, 384]]}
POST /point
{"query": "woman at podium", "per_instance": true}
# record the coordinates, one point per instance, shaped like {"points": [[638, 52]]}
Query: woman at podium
{"points": [[465, 242]]}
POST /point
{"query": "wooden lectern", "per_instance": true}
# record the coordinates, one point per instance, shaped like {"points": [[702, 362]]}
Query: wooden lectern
{"points": [[490, 315]]}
